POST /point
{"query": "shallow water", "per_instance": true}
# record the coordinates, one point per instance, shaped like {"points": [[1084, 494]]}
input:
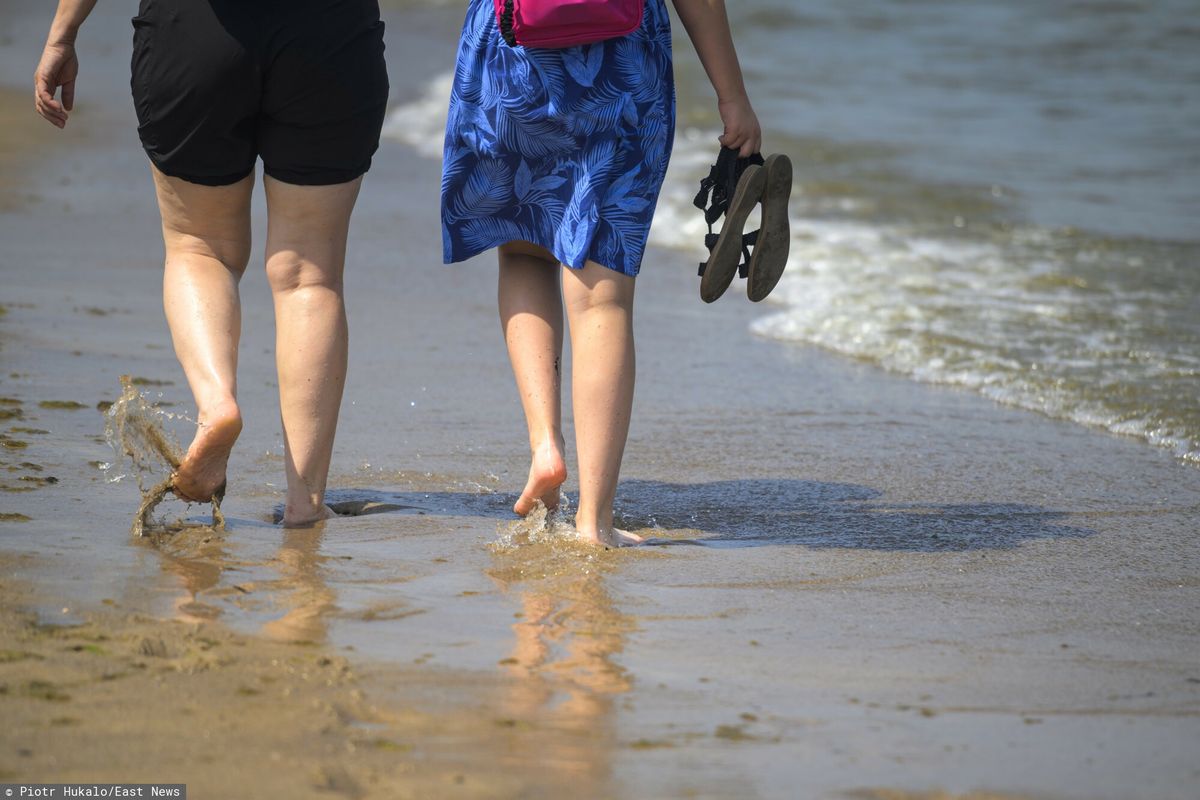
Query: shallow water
{"points": [[996, 196]]}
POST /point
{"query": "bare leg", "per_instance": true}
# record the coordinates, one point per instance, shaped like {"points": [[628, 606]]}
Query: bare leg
{"points": [[531, 315], [306, 255], [600, 310], [206, 233]]}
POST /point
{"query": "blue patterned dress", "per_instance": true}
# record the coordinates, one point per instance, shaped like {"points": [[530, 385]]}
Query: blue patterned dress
{"points": [[563, 148]]}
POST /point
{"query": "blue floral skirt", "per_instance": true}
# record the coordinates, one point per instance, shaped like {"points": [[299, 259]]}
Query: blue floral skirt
{"points": [[566, 148]]}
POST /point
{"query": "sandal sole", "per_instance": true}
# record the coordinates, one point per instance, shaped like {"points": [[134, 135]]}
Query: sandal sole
{"points": [[775, 241], [723, 262]]}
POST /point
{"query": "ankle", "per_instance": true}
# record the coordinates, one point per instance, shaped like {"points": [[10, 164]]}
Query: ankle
{"points": [[591, 523], [220, 412], [548, 462], [294, 517], [303, 505], [546, 439]]}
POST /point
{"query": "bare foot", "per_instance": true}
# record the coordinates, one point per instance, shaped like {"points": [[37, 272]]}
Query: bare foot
{"points": [[611, 537], [307, 518], [202, 471], [547, 471]]}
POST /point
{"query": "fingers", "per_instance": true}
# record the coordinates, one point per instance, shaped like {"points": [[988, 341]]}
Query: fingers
{"points": [[747, 144], [50, 109], [734, 141], [742, 144], [751, 141], [58, 67], [44, 103]]}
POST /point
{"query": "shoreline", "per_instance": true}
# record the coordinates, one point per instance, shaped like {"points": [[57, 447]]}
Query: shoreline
{"points": [[901, 587]]}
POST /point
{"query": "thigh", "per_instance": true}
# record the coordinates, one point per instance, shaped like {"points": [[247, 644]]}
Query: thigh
{"points": [[209, 221], [324, 93], [522, 248], [196, 88]]}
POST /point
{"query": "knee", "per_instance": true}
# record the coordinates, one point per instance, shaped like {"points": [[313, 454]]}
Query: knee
{"points": [[611, 295], [233, 254], [606, 310], [289, 272]]}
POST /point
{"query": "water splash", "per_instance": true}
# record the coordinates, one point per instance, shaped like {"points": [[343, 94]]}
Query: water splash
{"points": [[135, 429], [541, 526]]}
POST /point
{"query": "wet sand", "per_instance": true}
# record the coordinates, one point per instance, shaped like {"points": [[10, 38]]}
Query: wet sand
{"points": [[19, 137], [899, 592], [127, 697]]}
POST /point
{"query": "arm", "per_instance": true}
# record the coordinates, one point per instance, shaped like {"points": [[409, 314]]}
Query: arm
{"points": [[708, 28], [59, 65]]}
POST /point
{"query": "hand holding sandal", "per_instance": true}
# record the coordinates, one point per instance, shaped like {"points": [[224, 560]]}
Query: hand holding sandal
{"points": [[732, 189]]}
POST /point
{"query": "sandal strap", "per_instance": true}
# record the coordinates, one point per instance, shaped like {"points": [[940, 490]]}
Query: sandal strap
{"points": [[717, 190], [748, 240], [716, 193], [732, 167], [706, 187]]}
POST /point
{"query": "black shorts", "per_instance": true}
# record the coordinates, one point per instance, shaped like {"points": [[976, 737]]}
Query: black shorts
{"points": [[217, 83]]}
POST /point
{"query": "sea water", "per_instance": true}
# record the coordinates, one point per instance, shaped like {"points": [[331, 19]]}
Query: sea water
{"points": [[999, 196]]}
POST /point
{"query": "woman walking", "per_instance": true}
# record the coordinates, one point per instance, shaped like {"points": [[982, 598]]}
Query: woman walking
{"points": [[217, 84], [556, 157]]}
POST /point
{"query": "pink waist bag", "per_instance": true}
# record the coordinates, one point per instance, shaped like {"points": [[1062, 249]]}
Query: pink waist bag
{"points": [[565, 23]]}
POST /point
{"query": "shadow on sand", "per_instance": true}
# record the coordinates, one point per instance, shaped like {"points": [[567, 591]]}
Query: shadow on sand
{"points": [[750, 513], [758, 512]]}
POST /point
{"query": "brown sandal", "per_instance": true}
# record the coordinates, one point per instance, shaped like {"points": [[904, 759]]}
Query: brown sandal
{"points": [[732, 189], [774, 240]]}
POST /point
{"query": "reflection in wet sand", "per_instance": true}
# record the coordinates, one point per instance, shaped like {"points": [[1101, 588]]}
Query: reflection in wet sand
{"points": [[301, 588], [563, 662], [543, 725], [196, 557], [199, 555]]}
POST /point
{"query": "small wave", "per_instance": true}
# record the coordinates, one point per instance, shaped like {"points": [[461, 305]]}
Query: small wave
{"points": [[1100, 331], [421, 123], [1025, 319], [1097, 330]]}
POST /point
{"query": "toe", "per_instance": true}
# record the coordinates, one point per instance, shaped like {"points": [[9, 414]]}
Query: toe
{"points": [[523, 505]]}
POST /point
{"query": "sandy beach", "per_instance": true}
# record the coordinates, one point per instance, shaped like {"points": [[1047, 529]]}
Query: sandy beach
{"points": [[864, 587]]}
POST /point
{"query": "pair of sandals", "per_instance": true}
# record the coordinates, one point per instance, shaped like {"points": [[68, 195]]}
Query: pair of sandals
{"points": [[732, 189]]}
